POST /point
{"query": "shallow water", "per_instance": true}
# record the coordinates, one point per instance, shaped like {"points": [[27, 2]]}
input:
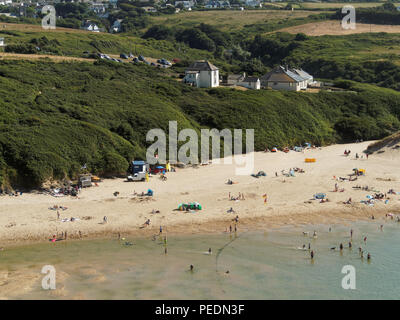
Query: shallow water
{"points": [[262, 265]]}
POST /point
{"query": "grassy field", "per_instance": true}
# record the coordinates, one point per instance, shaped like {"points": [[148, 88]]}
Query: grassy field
{"points": [[229, 20], [335, 5], [73, 42], [334, 27]]}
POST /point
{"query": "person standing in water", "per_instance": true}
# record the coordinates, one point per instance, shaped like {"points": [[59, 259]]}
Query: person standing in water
{"points": [[351, 233], [209, 250], [350, 245], [191, 268], [341, 247], [368, 257], [312, 254]]}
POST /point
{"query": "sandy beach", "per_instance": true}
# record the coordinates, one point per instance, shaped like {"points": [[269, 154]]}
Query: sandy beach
{"points": [[28, 217]]}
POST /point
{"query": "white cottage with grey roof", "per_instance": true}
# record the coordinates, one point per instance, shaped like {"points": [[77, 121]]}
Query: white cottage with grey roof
{"points": [[202, 74], [283, 78]]}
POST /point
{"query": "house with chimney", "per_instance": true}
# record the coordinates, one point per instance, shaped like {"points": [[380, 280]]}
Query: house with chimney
{"points": [[202, 74]]}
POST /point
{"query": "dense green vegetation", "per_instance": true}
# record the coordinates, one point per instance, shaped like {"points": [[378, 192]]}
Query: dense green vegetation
{"points": [[56, 117]]}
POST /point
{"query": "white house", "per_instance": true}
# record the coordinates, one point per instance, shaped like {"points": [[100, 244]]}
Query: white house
{"points": [[99, 8], [186, 4], [283, 78], [91, 26], [253, 3], [2, 42], [202, 74], [212, 4], [250, 83], [116, 26]]}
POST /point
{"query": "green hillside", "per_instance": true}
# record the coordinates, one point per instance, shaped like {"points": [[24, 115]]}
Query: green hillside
{"points": [[56, 117]]}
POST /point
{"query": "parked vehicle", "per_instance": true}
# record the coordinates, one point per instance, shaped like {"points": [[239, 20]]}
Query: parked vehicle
{"points": [[123, 56], [141, 58], [138, 171], [164, 62], [136, 60]]}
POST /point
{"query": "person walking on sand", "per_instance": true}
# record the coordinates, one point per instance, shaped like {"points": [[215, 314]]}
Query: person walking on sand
{"points": [[58, 215], [230, 228], [160, 229], [105, 219]]}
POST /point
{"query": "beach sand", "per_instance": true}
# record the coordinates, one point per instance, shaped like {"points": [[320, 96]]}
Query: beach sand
{"points": [[28, 217]]}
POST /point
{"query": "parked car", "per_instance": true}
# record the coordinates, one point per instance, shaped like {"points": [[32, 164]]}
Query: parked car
{"points": [[131, 55], [123, 56], [164, 62], [136, 60], [153, 64], [141, 58]]}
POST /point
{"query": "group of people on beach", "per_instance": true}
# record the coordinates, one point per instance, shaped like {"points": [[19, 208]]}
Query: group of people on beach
{"points": [[341, 247]]}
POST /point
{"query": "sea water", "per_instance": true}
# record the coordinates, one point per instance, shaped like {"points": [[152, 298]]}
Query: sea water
{"points": [[245, 265]]}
